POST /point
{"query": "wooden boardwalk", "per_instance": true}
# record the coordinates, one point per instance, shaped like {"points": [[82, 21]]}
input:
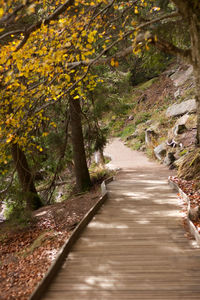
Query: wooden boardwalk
{"points": [[135, 247]]}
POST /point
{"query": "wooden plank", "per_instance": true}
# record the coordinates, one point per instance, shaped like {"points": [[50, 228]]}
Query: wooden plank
{"points": [[125, 295]]}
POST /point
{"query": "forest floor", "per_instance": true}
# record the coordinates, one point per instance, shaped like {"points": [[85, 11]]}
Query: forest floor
{"points": [[27, 251]]}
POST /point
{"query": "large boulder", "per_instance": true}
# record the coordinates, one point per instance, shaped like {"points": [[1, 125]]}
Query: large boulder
{"points": [[183, 120], [181, 76], [160, 151], [182, 108]]}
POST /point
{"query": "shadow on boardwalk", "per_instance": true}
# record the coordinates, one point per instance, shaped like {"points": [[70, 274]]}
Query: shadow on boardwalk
{"points": [[135, 247]]}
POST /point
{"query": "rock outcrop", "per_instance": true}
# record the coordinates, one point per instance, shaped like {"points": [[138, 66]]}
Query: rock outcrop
{"points": [[181, 76], [182, 108]]}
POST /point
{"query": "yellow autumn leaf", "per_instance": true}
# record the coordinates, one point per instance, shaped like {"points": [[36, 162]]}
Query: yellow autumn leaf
{"points": [[45, 133], [147, 47], [90, 39], [88, 46], [9, 139], [53, 124], [136, 51], [112, 62], [1, 12], [67, 77], [136, 10]]}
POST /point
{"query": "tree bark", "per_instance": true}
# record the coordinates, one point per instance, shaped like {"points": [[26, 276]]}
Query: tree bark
{"points": [[83, 181], [25, 178], [195, 49], [190, 11]]}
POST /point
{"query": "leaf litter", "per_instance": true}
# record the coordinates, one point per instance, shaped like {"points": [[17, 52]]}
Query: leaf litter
{"points": [[190, 188], [26, 254]]}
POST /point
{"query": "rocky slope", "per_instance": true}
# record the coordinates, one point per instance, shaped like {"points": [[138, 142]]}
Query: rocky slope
{"points": [[163, 121]]}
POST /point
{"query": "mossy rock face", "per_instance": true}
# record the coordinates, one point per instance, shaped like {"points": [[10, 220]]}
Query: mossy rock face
{"points": [[190, 167]]}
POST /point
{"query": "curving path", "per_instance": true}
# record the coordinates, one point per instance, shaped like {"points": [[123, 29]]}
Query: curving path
{"points": [[135, 247]]}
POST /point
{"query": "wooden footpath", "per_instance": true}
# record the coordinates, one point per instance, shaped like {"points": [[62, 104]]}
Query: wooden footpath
{"points": [[134, 248]]}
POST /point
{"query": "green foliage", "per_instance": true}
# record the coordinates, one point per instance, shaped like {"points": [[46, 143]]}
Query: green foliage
{"points": [[115, 126], [136, 145], [113, 94], [183, 152], [149, 65], [16, 211], [126, 131], [141, 137], [147, 84], [150, 152], [142, 117]]}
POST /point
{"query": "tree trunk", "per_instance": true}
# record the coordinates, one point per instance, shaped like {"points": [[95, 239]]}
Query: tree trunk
{"points": [[83, 181], [25, 178], [197, 78], [195, 49], [190, 11]]}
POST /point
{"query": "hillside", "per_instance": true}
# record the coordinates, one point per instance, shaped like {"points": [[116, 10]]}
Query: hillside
{"points": [[161, 120]]}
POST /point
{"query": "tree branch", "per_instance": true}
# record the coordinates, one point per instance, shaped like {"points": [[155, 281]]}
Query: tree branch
{"points": [[26, 32], [5, 19], [167, 47]]}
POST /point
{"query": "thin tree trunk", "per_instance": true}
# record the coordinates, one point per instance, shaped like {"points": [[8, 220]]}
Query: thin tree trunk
{"points": [[25, 178], [83, 181]]}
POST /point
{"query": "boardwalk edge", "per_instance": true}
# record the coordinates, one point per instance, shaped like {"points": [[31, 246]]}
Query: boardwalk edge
{"points": [[191, 226], [66, 248]]}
